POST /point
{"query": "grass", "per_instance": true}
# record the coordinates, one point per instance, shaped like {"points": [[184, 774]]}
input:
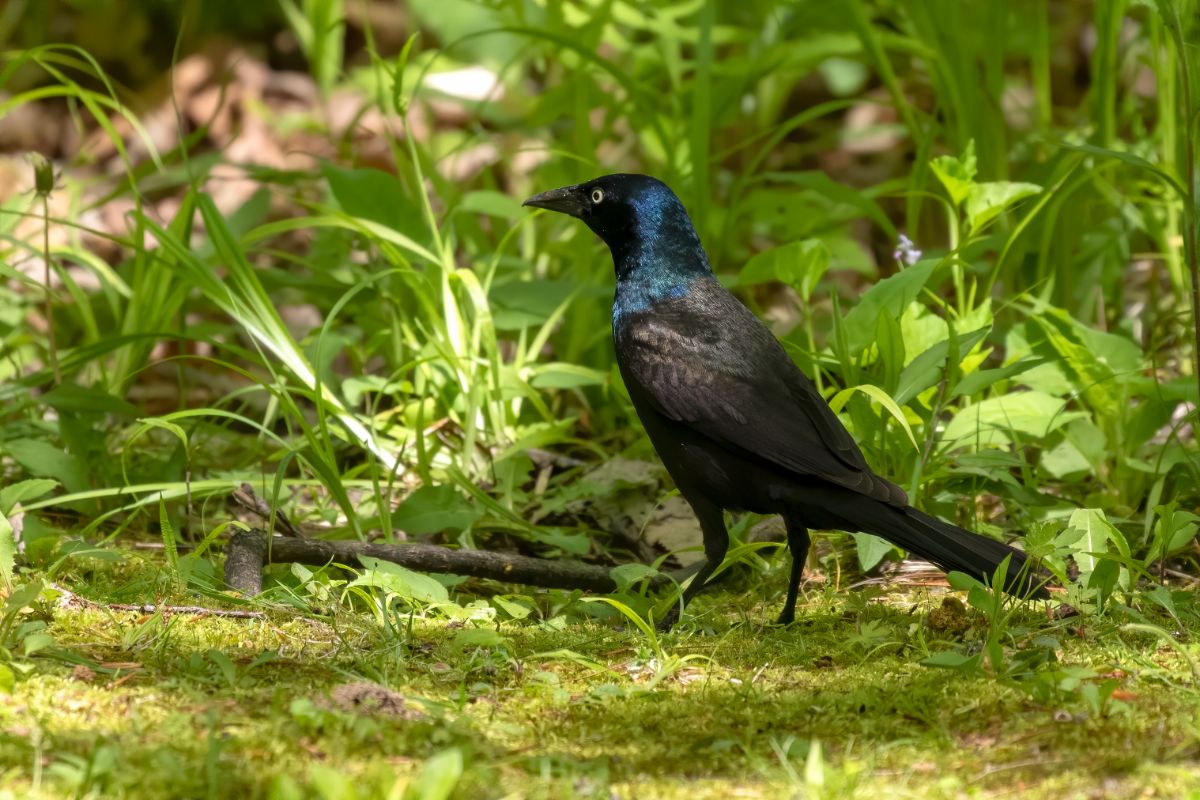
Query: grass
{"points": [[837, 706], [359, 319]]}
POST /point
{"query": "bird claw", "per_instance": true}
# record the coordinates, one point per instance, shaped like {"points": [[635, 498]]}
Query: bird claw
{"points": [[665, 624], [785, 619]]}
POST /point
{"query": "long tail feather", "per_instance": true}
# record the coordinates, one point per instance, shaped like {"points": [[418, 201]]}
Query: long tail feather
{"points": [[952, 548]]}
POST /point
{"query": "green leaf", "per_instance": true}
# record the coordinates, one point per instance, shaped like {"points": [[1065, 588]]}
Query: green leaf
{"points": [[560, 375], [158, 423], [432, 509], [8, 681], [1091, 534], [320, 29], [375, 196], [327, 782], [224, 663], [23, 595], [978, 381], [169, 538], [73, 397], [399, 101], [470, 638], [8, 550], [1064, 461], [454, 20], [493, 204], [354, 388], [979, 598], [1104, 579], [629, 614], [952, 659], [35, 642], [1086, 360], [439, 775], [43, 459], [1027, 414], [829, 189], [843, 76], [1182, 535], [798, 264], [1119, 353], [626, 575], [241, 295], [1132, 160], [397, 580], [511, 607], [871, 549], [878, 395], [889, 344], [892, 294], [579, 544], [962, 582], [926, 369], [520, 304], [986, 200], [21, 491], [957, 174], [1163, 597]]}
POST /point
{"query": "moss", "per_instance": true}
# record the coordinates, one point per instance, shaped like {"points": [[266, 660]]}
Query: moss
{"points": [[838, 705], [950, 618]]}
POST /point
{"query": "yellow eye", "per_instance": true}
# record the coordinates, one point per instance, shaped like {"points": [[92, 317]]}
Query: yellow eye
{"points": [[597, 195]]}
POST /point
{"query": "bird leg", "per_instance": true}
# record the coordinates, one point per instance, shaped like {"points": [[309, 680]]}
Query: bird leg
{"points": [[798, 543], [716, 544]]}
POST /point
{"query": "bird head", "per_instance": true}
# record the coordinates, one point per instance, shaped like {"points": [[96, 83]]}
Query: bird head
{"points": [[633, 214]]}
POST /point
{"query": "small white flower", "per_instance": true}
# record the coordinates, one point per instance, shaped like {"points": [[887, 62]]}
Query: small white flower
{"points": [[906, 252]]}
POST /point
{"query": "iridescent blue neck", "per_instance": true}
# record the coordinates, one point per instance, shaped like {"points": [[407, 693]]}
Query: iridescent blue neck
{"points": [[659, 258]]}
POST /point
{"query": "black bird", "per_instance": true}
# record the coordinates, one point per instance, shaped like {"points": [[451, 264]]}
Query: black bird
{"points": [[735, 421]]}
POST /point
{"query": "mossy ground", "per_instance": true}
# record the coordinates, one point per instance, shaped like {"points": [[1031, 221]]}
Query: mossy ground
{"points": [[838, 705]]}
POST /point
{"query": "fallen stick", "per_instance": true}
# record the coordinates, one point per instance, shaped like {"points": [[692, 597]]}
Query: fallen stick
{"points": [[249, 551], [69, 597]]}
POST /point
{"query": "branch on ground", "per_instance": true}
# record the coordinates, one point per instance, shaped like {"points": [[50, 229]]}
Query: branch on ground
{"points": [[69, 598], [249, 551]]}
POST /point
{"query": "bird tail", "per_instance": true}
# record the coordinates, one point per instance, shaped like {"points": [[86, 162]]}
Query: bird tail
{"points": [[952, 548]]}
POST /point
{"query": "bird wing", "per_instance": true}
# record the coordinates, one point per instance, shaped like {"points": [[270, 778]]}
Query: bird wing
{"points": [[705, 360]]}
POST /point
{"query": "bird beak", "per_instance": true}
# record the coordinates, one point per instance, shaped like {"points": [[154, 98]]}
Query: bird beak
{"points": [[565, 201]]}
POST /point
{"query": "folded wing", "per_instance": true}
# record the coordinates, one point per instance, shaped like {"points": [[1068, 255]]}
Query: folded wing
{"points": [[704, 359]]}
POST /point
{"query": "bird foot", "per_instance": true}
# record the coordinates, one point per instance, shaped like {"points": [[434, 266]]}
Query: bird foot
{"points": [[786, 618], [665, 624]]}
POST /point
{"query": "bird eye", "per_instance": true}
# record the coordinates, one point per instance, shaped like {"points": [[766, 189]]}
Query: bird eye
{"points": [[597, 195]]}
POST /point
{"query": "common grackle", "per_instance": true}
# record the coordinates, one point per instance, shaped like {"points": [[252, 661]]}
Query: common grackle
{"points": [[735, 421]]}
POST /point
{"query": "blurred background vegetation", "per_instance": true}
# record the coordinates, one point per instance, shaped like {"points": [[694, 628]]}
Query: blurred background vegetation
{"points": [[282, 243]]}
